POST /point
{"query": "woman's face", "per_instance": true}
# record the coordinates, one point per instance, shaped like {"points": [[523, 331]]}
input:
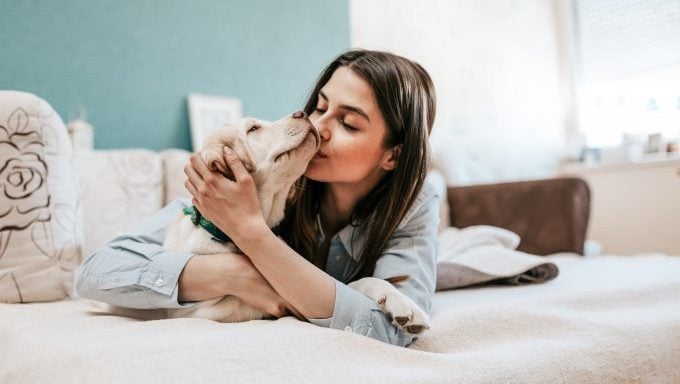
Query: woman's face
{"points": [[352, 131]]}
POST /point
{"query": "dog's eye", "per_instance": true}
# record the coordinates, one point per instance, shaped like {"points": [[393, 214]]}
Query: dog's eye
{"points": [[253, 128]]}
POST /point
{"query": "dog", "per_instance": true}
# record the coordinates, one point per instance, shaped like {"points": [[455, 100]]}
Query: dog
{"points": [[276, 154]]}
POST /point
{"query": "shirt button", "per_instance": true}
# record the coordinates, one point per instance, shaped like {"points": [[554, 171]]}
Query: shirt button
{"points": [[348, 328], [337, 257], [159, 282]]}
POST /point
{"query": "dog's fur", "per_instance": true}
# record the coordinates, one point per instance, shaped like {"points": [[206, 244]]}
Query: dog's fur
{"points": [[276, 154]]}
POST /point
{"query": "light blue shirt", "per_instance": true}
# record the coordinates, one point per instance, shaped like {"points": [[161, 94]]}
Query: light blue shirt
{"points": [[135, 271]]}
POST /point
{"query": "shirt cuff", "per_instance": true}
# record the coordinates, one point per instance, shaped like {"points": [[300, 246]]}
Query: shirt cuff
{"points": [[355, 312], [161, 277], [351, 311]]}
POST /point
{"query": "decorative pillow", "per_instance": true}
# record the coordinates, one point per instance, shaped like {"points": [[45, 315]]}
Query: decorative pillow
{"points": [[118, 188], [174, 161], [40, 224]]}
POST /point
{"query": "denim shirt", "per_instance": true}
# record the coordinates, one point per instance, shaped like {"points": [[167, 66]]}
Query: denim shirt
{"points": [[135, 271]]}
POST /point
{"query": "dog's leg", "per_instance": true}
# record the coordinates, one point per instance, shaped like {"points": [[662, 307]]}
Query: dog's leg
{"points": [[403, 312]]}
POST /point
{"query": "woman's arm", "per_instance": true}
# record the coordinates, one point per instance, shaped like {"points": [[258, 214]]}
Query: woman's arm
{"points": [[410, 251], [209, 276], [310, 290], [319, 297], [307, 288], [135, 271]]}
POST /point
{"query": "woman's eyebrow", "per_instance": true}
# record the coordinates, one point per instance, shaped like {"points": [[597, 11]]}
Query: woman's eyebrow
{"points": [[356, 110]]}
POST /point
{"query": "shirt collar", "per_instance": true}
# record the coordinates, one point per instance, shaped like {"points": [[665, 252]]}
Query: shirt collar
{"points": [[353, 246]]}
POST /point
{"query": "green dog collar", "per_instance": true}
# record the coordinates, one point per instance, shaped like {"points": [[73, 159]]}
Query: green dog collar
{"points": [[198, 219]]}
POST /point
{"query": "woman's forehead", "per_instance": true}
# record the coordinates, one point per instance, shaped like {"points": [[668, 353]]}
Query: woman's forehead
{"points": [[347, 88]]}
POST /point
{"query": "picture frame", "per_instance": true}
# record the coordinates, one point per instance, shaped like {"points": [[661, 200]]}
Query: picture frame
{"points": [[208, 112]]}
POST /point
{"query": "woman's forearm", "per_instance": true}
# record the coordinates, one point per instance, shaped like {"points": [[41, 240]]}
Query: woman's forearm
{"points": [[208, 277], [307, 288]]}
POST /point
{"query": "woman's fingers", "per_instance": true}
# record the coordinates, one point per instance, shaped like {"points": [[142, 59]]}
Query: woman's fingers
{"points": [[190, 187], [199, 166], [236, 165]]}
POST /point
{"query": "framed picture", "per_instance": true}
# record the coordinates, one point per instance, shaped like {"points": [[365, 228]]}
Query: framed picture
{"points": [[207, 113]]}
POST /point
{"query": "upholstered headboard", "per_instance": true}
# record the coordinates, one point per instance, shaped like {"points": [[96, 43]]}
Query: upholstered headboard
{"points": [[550, 215]]}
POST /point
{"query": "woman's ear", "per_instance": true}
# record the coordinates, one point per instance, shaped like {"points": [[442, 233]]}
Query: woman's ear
{"points": [[390, 158]]}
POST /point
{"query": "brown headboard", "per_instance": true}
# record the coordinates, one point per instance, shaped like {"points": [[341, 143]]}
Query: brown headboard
{"points": [[550, 215]]}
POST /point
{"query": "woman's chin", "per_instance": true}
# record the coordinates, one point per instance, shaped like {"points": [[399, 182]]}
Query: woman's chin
{"points": [[313, 173]]}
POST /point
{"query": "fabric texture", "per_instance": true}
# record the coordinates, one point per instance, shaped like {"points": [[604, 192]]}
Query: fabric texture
{"points": [[40, 218], [549, 215], [119, 188], [604, 319], [485, 254], [174, 160]]}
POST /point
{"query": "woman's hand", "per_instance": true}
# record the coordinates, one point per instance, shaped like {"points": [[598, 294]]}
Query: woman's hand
{"points": [[208, 277], [256, 291], [232, 205]]}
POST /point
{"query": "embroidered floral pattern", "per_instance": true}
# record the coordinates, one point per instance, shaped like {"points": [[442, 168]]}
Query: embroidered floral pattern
{"points": [[24, 198], [40, 235]]}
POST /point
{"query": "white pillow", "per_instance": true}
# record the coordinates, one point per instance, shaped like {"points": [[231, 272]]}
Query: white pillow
{"points": [[40, 223], [119, 189], [174, 161]]}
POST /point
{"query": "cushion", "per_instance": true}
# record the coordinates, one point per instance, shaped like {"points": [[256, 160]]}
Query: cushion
{"points": [[174, 161], [119, 189], [40, 219]]}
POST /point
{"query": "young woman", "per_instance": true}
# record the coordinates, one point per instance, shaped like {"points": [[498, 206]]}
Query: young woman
{"points": [[361, 209]]}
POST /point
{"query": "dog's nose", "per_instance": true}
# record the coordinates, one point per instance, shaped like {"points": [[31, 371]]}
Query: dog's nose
{"points": [[299, 115]]}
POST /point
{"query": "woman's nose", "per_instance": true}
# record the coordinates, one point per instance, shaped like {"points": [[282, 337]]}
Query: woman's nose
{"points": [[321, 126]]}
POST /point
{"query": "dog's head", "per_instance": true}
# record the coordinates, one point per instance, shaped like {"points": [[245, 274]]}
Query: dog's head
{"points": [[275, 153]]}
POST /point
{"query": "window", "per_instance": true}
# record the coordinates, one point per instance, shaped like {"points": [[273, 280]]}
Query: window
{"points": [[628, 85]]}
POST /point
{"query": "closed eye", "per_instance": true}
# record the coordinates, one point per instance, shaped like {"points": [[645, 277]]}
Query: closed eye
{"points": [[348, 127]]}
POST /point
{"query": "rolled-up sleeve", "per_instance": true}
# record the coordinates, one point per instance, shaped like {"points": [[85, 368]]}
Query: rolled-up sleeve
{"points": [[411, 251], [134, 270]]}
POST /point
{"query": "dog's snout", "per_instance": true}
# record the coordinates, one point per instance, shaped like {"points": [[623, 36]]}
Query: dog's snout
{"points": [[299, 115]]}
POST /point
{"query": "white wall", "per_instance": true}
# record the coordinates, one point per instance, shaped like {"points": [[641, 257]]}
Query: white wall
{"points": [[498, 74]]}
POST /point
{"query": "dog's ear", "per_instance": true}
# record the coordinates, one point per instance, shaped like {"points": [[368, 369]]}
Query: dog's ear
{"points": [[238, 145], [214, 154]]}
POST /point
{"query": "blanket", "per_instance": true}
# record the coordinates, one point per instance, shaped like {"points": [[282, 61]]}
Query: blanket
{"points": [[485, 254], [604, 319]]}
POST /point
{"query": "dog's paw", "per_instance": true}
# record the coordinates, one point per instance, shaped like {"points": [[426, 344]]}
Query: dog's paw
{"points": [[404, 313]]}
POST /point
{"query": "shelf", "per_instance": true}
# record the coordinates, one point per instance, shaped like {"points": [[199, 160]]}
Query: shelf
{"points": [[657, 161]]}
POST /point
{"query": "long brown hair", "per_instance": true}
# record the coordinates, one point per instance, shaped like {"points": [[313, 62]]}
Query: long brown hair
{"points": [[406, 98]]}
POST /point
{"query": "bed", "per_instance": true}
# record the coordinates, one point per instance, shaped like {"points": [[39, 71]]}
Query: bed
{"points": [[602, 319]]}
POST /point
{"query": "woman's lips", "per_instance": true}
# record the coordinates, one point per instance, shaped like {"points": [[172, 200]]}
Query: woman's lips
{"points": [[320, 155]]}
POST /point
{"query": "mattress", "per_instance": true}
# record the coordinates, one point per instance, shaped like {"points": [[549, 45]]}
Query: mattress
{"points": [[604, 319]]}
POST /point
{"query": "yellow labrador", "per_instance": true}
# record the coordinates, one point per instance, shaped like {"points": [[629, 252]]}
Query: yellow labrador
{"points": [[276, 154]]}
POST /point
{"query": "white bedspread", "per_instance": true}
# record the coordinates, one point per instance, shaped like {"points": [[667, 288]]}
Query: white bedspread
{"points": [[602, 320]]}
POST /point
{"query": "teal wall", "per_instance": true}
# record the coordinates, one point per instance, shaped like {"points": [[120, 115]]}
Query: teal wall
{"points": [[131, 63]]}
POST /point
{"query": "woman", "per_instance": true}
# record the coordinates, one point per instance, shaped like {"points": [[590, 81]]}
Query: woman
{"points": [[361, 209]]}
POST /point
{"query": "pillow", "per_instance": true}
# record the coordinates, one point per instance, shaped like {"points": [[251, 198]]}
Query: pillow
{"points": [[40, 224], [482, 254], [118, 188], [174, 161]]}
